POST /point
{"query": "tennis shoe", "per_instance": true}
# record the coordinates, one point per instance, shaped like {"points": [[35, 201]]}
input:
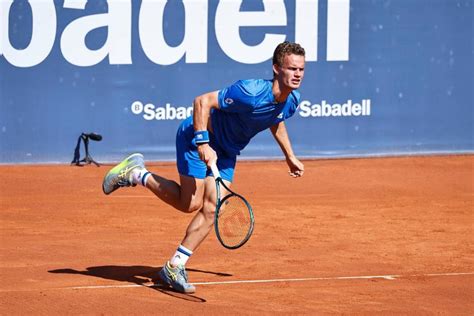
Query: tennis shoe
{"points": [[177, 278], [121, 174]]}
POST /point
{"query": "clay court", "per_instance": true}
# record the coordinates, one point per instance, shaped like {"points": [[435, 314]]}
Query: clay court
{"points": [[353, 236]]}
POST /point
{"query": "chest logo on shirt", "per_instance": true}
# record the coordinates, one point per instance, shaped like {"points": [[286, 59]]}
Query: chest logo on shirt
{"points": [[229, 101]]}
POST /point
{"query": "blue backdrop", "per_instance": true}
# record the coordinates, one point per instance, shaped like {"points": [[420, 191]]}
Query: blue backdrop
{"points": [[382, 77]]}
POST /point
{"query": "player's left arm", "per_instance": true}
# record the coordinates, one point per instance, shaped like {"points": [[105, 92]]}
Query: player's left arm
{"points": [[280, 134]]}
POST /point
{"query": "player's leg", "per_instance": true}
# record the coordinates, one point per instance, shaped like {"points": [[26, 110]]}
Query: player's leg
{"points": [[174, 271], [203, 221], [186, 196]]}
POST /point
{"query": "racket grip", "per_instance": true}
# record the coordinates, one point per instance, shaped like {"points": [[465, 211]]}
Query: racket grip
{"points": [[215, 171]]}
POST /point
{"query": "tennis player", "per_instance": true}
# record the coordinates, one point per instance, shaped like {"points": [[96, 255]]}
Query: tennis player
{"points": [[222, 124]]}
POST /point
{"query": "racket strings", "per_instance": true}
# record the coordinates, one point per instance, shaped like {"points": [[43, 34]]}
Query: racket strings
{"points": [[234, 221]]}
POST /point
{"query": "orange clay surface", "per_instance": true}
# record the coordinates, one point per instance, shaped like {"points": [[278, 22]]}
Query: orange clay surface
{"points": [[352, 236]]}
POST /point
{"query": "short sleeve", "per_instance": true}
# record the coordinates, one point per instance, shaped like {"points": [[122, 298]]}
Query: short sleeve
{"points": [[237, 97]]}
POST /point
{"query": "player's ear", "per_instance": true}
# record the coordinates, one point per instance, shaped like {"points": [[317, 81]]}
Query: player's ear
{"points": [[276, 69]]}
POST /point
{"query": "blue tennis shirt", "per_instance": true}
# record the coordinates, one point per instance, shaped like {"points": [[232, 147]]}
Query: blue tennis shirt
{"points": [[246, 108]]}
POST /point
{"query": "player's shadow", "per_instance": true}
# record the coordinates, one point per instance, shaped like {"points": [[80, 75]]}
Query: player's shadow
{"points": [[140, 275]]}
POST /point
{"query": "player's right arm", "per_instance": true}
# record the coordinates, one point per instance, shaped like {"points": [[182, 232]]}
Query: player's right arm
{"points": [[280, 134], [202, 106]]}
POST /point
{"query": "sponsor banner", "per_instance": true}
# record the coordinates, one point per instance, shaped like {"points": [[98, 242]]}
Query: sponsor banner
{"points": [[379, 79], [306, 109], [167, 112], [324, 109]]}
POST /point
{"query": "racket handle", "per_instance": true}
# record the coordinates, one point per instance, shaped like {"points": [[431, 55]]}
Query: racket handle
{"points": [[215, 171]]}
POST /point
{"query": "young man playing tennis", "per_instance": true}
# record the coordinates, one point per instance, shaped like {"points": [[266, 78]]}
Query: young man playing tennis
{"points": [[222, 124]]}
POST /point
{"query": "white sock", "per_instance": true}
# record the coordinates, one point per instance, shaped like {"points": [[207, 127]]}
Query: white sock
{"points": [[181, 256], [140, 176]]}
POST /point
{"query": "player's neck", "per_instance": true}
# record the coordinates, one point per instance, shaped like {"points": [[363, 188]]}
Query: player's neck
{"points": [[280, 93]]}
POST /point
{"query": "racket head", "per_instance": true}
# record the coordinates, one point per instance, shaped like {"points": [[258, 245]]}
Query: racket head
{"points": [[234, 221]]}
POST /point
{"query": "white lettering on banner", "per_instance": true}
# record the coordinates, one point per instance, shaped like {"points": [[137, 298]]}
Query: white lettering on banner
{"points": [[195, 33], [168, 112], [338, 30], [306, 27], [119, 36], [306, 109], [194, 46], [42, 35], [227, 29]]}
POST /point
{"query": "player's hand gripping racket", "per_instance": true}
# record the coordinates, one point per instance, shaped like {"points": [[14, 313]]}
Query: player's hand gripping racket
{"points": [[233, 219]]}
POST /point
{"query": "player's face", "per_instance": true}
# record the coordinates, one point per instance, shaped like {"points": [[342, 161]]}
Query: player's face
{"points": [[291, 73]]}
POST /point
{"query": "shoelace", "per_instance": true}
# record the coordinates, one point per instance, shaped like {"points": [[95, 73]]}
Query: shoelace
{"points": [[183, 273]]}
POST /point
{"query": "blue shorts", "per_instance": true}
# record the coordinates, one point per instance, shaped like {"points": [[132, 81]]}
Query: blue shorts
{"points": [[187, 156]]}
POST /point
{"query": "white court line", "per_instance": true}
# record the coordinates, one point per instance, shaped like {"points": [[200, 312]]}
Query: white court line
{"points": [[135, 196], [363, 277]]}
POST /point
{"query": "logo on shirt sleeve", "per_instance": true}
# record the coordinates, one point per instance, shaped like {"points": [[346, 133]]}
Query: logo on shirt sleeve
{"points": [[229, 101]]}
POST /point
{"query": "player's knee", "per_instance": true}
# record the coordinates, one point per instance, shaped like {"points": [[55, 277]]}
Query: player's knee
{"points": [[209, 208]]}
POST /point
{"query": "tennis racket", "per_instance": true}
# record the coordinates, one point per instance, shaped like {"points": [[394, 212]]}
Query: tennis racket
{"points": [[233, 220]]}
